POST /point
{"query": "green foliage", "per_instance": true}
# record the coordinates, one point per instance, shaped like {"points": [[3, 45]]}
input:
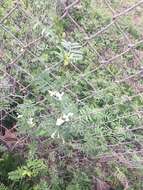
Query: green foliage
{"points": [[8, 163], [75, 121], [41, 186], [32, 169], [69, 52], [3, 187]]}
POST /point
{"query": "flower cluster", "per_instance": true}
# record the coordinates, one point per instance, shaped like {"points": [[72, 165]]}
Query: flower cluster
{"points": [[56, 94], [64, 118]]}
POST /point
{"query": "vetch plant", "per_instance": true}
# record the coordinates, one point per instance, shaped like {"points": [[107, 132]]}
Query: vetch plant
{"points": [[69, 52], [71, 95]]}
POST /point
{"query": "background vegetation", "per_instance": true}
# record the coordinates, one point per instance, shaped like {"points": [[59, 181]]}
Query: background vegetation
{"points": [[71, 95]]}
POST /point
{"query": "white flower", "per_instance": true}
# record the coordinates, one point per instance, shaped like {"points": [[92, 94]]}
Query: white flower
{"points": [[63, 119], [60, 121], [70, 114], [52, 93], [56, 94], [63, 140], [19, 116], [60, 95], [58, 136], [53, 135], [30, 122]]}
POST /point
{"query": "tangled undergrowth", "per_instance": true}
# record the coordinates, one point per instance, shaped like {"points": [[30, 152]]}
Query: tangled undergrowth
{"points": [[71, 95]]}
